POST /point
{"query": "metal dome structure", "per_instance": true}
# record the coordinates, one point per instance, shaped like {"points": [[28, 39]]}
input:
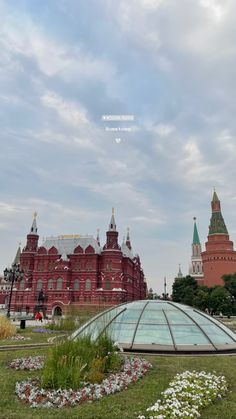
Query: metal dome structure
{"points": [[162, 327]]}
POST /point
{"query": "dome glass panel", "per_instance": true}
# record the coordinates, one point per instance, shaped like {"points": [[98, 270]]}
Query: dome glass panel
{"points": [[161, 326], [147, 333], [153, 316]]}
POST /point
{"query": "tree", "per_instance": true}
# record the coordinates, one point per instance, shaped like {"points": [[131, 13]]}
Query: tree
{"points": [[219, 300], [150, 294], [201, 299], [230, 283], [184, 290]]}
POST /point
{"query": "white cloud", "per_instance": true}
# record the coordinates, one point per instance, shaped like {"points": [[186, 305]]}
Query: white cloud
{"points": [[20, 37], [150, 4], [122, 192], [227, 144], [194, 169], [163, 130], [71, 113], [215, 7], [147, 220], [79, 131]]}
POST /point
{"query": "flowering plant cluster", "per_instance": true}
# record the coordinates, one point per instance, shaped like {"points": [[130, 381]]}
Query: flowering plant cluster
{"points": [[118, 347], [187, 394], [43, 330], [30, 392], [19, 337], [31, 363]]}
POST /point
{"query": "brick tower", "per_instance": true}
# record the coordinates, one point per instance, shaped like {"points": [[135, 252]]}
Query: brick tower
{"points": [[219, 257]]}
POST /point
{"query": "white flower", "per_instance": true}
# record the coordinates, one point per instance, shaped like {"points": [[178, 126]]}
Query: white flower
{"points": [[187, 393]]}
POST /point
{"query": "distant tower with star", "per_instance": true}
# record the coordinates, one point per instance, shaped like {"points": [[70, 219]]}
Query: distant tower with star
{"points": [[219, 258], [196, 268]]}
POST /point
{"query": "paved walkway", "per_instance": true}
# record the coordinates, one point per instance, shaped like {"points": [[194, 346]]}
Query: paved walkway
{"points": [[32, 323]]}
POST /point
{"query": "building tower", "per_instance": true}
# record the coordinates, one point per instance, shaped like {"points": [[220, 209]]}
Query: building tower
{"points": [[219, 258], [196, 268], [29, 251], [112, 235], [179, 274]]}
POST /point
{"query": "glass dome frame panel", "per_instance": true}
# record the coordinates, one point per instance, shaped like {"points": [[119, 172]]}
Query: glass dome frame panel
{"points": [[161, 326]]}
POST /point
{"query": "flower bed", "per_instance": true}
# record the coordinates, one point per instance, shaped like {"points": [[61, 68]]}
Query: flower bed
{"points": [[18, 337], [31, 363], [187, 394], [44, 330], [30, 392]]}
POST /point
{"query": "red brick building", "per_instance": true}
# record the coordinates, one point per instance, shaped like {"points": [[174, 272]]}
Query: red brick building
{"points": [[219, 258], [74, 270]]}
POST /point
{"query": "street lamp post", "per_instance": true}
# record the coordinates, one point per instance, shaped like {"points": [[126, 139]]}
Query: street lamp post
{"points": [[12, 275], [165, 294]]}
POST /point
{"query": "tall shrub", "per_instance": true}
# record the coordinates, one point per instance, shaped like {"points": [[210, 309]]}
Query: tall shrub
{"points": [[7, 329], [71, 362]]}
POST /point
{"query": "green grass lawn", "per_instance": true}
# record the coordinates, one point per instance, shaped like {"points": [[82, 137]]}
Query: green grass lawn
{"points": [[34, 337], [126, 404]]}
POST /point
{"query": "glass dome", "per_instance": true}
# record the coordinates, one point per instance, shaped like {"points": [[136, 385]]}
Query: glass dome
{"points": [[160, 326]]}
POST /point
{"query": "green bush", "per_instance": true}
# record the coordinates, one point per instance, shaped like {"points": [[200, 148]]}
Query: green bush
{"points": [[69, 363], [66, 324], [105, 350]]}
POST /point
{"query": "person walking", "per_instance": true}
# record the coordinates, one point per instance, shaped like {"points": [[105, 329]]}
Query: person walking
{"points": [[39, 317]]}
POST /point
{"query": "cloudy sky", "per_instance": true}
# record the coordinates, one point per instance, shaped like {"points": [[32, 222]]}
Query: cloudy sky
{"points": [[66, 63]]}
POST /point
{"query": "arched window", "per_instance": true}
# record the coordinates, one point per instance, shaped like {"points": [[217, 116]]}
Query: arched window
{"points": [[88, 266], [39, 284], [87, 285], [50, 284], [76, 284], [22, 285], [107, 285], [59, 284]]}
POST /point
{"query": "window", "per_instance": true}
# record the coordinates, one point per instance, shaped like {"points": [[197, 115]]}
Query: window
{"points": [[109, 266], [50, 284], [59, 284], [40, 266], [76, 284], [39, 284], [87, 285], [88, 266], [77, 265], [51, 266], [107, 285], [22, 285]]}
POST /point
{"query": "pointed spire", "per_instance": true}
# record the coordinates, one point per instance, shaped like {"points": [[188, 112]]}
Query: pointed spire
{"points": [[128, 243], [217, 224], [195, 233], [34, 228], [98, 237], [215, 197], [17, 257], [112, 225], [180, 275]]}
